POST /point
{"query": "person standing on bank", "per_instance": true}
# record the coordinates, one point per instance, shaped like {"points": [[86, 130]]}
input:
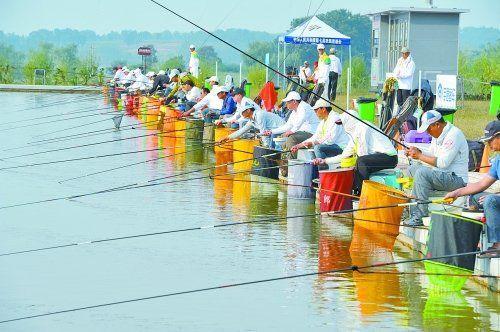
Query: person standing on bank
{"points": [[404, 70], [323, 72], [335, 72], [194, 62]]}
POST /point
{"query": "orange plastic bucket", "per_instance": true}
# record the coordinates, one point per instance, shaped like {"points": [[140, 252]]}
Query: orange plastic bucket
{"points": [[243, 150], [339, 180], [219, 134], [376, 194]]}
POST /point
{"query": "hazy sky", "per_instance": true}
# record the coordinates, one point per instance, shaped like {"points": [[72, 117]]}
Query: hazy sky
{"points": [[102, 16]]}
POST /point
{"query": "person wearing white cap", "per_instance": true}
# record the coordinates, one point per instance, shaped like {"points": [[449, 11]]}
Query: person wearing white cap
{"points": [[404, 70], [176, 80], [301, 124], [228, 104], [305, 72], [374, 152], [127, 78], [207, 103], [335, 72], [119, 75], [257, 118], [330, 137], [323, 72], [194, 61], [448, 159], [141, 82], [237, 120]]}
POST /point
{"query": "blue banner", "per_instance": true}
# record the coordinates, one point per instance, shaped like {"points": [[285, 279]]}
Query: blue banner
{"points": [[317, 40]]}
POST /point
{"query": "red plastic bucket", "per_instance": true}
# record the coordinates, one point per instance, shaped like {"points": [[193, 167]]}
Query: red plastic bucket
{"points": [[339, 180]]}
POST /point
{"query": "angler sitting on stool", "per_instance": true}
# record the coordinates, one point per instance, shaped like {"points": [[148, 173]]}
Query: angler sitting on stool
{"points": [[330, 137], [228, 104], [489, 202], [301, 124], [374, 152], [258, 119], [448, 158]]}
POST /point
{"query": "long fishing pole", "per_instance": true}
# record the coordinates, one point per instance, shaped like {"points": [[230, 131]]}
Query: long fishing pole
{"points": [[352, 268], [85, 110], [136, 185], [59, 120], [140, 162], [183, 230], [276, 71], [73, 101]]}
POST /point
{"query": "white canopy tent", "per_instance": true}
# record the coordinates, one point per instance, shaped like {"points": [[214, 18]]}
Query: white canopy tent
{"points": [[315, 31]]}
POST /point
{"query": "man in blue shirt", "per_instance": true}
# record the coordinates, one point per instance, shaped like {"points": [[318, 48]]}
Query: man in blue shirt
{"points": [[228, 104], [489, 202]]}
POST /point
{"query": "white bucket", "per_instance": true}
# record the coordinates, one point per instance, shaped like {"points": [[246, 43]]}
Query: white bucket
{"points": [[300, 177]]}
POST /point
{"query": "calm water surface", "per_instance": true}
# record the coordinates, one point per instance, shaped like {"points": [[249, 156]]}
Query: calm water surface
{"points": [[86, 275]]}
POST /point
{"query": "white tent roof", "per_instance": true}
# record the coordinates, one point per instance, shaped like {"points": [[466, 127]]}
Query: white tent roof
{"points": [[315, 31]]}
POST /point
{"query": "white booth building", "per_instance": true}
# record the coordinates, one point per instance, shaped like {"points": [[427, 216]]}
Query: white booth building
{"points": [[432, 34]]}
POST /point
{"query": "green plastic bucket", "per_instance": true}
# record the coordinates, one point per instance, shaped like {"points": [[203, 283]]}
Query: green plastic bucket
{"points": [[447, 113], [366, 108], [247, 89], [495, 98], [388, 177]]}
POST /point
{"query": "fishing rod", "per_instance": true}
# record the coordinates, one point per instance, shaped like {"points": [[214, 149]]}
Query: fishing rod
{"points": [[83, 158], [73, 101], [182, 230], [85, 110], [140, 162], [144, 162], [132, 164], [351, 268], [277, 72], [80, 146], [119, 115], [59, 120], [432, 274], [136, 185]]}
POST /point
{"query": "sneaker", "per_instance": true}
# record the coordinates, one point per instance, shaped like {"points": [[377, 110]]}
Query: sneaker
{"points": [[414, 222]]}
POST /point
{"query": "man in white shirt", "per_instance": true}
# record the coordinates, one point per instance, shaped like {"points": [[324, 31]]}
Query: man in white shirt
{"points": [[119, 75], [237, 119], [192, 93], [301, 124], [194, 62], [261, 120], [140, 81], [330, 137], [127, 78], [335, 72], [449, 160], [323, 72], [210, 101], [305, 72], [374, 152], [404, 70]]}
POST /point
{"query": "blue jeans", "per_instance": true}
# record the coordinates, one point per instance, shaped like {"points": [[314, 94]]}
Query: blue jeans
{"points": [[425, 180], [326, 150], [491, 207]]}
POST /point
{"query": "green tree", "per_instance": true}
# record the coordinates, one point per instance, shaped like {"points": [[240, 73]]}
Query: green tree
{"points": [[42, 58]]}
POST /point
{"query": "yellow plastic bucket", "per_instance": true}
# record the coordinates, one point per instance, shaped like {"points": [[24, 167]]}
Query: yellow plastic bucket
{"points": [[384, 220], [243, 150], [180, 129], [219, 134]]}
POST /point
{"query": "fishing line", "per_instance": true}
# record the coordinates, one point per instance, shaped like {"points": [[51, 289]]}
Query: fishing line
{"points": [[276, 72], [60, 120], [245, 283]]}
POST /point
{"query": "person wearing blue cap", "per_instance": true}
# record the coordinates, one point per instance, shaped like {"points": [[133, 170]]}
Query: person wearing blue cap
{"points": [[448, 161], [488, 201]]}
